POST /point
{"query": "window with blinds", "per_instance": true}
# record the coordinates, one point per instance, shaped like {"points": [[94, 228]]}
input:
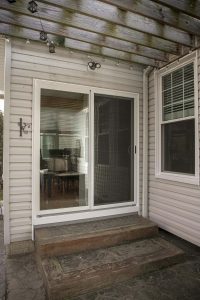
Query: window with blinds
{"points": [[178, 93]]}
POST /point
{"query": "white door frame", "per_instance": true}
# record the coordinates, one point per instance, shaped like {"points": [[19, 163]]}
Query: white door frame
{"points": [[87, 212]]}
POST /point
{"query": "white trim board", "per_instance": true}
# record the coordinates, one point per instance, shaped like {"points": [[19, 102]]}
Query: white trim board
{"points": [[6, 144]]}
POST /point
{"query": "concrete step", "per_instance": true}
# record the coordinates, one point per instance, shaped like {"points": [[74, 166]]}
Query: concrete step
{"points": [[66, 239], [71, 275]]}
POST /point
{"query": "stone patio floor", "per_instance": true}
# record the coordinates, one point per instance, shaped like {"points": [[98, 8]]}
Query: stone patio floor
{"points": [[179, 282]]}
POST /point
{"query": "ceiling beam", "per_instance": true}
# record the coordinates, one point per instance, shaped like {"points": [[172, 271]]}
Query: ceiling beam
{"points": [[77, 45], [107, 52], [189, 7], [161, 13], [78, 21], [109, 13], [98, 40]]}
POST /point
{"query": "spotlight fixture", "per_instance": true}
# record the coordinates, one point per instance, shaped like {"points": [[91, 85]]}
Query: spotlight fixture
{"points": [[52, 48], [32, 6], [93, 65], [43, 36], [28, 42], [11, 1], [7, 39]]}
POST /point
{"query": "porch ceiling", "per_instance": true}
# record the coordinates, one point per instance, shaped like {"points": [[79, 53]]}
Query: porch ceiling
{"points": [[141, 31]]}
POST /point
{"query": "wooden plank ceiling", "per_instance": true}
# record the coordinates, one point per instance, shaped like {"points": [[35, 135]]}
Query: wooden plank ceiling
{"points": [[141, 31]]}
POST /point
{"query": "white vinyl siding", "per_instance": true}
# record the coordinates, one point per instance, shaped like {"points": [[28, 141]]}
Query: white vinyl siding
{"points": [[174, 206], [34, 61]]}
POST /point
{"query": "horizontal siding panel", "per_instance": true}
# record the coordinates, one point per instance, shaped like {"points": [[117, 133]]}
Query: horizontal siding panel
{"points": [[22, 87], [39, 67], [15, 126], [19, 80], [19, 88], [104, 83], [21, 151], [21, 222], [19, 166], [20, 206], [21, 229], [21, 198], [167, 186], [20, 182], [15, 118], [21, 111], [20, 158], [183, 206], [21, 96], [173, 227], [194, 226], [21, 236], [20, 214], [72, 66], [175, 210], [20, 190], [20, 174], [175, 196], [21, 142], [21, 103], [25, 135]]}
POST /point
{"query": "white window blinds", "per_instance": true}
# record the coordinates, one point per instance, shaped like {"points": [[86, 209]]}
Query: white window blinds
{"points": [[178, 93]]}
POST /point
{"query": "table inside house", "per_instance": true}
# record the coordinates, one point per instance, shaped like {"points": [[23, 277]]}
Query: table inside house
{"points": [[62, 182]]}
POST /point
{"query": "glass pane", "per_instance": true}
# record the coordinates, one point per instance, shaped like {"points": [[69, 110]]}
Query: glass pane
{"points": [[113, 145], [178, 93], [166, 82], [178, 147], [188, 72], [177, 77], [63, 149]]}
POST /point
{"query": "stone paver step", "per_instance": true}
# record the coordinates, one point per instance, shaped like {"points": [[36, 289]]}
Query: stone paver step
{"points": [[66, 239], [71, 275]]}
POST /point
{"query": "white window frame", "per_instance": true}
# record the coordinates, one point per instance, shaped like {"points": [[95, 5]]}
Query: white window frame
{"points": [[185, 178]]}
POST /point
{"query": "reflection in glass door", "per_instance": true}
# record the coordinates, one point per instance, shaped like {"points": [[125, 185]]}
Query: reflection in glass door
{"points": [[63, 149], [113, 150]]}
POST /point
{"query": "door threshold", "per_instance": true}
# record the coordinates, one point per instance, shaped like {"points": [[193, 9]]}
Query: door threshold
{"points": [[83, 215]]}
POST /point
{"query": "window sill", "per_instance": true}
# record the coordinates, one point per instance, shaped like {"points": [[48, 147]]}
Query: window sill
{"points": [[189, 179]]}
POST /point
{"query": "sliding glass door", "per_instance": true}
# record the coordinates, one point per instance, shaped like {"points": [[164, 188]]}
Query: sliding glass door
{"points": [[86, 148], [63, 149], [113, 150]]}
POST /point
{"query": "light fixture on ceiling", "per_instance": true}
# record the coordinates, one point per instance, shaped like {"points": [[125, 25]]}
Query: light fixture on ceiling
{"points": [[7, 39], [28, 42], [93, 65], [32, 6], [52, 47], [43, 36]]}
